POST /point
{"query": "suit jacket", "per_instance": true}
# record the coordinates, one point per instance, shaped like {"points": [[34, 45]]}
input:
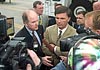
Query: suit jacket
{"points": [[51, 35], [29, 39], [79, 28], [45, 21]]}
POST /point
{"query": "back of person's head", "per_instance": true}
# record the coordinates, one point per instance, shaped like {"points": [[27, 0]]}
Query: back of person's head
{"points": [[96, 20], [24, 17], [37, 3], [89, 19], [89, 14], [63, 9], [96, 6], [93, 19]]}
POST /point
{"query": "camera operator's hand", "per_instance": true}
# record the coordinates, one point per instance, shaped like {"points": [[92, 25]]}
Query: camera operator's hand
{"points": [[46, 60], [34, 57], [64, 59], [28, 67]]}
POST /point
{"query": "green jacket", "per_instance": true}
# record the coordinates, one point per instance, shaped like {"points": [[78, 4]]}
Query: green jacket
{"points": [[51, 35]]}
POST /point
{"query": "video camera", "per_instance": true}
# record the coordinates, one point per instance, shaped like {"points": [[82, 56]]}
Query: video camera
{"points": [[12, 51], [6, 26], [9, 54], [67, 43]]}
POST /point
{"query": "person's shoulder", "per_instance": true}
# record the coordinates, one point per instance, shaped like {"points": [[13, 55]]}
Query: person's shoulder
{"points": [[44, 15], [52, 26], [73, 30], [71, 27], [21, 32]]}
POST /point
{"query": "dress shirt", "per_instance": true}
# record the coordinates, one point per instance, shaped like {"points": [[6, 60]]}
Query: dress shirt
{"points": [[35, 33], [63, 30]]}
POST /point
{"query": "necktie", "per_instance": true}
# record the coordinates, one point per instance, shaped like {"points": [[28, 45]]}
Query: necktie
{"points": [[35, 43], [40, 21], [59, 36], [60, 33]]}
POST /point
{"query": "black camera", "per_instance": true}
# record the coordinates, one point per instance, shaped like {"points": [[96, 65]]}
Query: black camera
{"points": [[13, 52], [6, 28], [67, 43], [9, 54], [6, 25]]}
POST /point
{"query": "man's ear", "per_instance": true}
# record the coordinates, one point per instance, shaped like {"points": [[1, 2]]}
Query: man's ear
{"points": [[98, 31]]}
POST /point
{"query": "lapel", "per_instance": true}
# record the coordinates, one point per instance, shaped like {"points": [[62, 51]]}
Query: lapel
{"points": [[54, 34], [67, 33], [27, 34], [40, 32]]}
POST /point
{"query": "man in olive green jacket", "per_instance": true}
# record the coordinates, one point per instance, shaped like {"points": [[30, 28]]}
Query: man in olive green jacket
{"points": [[52, 33]]}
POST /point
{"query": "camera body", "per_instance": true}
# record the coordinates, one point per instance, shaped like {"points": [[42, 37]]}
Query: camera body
{"points": [[12, 51], [6, 26], [67, 43]]}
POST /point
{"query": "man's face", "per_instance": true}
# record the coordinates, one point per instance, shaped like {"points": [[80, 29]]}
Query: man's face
{"points": [[80, 19], [62, 20], [33, 21], [39, 9]]}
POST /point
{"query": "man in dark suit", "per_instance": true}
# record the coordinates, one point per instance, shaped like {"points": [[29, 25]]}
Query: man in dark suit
{"points": [[29, 39], [30, 20]]}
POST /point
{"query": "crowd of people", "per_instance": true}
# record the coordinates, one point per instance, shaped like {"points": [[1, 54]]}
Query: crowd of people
{"points": [[43, 39]]}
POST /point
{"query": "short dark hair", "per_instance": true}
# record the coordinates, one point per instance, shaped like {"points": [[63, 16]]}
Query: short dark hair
{"points": [[63, 9], [58, 4], [36, 3], [82, 12]]}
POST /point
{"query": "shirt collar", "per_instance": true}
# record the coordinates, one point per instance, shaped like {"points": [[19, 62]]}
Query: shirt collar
{"points": [[63, 30], [30, 31]]}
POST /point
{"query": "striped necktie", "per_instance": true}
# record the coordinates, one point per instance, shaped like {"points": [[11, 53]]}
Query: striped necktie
{"points": [[40, 21], [35, 41], [59, 34]]}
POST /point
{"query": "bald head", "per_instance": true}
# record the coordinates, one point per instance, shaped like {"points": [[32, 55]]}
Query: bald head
{"points": [[29, 14], [30, 19], [96, 6]]}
